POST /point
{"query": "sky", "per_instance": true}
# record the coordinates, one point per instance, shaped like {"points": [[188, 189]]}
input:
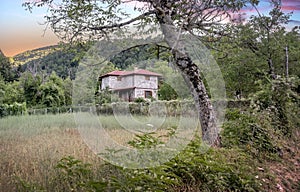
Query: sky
{"points": [[21, 30]]}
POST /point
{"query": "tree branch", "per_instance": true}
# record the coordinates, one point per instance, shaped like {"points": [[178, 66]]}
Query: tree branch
{"points": [[118, 25]]}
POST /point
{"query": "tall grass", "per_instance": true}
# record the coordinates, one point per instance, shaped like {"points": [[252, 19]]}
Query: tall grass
{"points": [[33, 125], [31, 146], [48, 153]]}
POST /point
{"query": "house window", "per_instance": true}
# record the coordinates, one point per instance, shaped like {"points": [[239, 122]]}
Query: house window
{"points": [[147, 78], [148, 94], [119, 78]]}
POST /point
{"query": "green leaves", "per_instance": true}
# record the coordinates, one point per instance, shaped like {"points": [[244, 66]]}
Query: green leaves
{"points": [[246, 132], [75, 175], [145, 141], [6, 68], [52, 92]]}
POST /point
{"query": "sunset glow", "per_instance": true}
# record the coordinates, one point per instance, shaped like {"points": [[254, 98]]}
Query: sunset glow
{"points": [[22, 30]]}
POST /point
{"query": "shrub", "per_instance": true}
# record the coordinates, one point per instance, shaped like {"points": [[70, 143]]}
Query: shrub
{"points": [[12, 109], [244, 131], [190, 170], [3, 110], [275, 99], [75, 175], [140, 100]]}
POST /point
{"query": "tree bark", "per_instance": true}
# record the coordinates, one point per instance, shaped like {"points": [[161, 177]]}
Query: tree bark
{"points": [[286, 62], [271, 69], [191, 74]]}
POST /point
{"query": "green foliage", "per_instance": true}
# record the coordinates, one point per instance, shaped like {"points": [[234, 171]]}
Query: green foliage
{"points": [[25, 186], [14, 92], [108, 67], [212, 171], [105, 96], [166, 92], [68, 89], [156, 179], [138, 55], [275, 99], [42, 92], [30, 85], [6, 70], [3, 110], [145, 141], [173, 84], [265, 36], [246, 132], [190, 170], [2, 89], [13, 109], [73, 173], [45, 60], [51, 93], [140, 100]]}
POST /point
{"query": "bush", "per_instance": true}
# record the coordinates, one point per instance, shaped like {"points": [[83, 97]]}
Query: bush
{"points": [[73, 175], [214, 170], [13, 109], [3, 110], [191, 170], [244, 131], [140, 100], [275, 99]]}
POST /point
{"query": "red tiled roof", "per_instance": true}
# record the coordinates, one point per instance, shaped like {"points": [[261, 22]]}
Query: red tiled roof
{"points": [[141, 72], [115, 73], [137, 72]]}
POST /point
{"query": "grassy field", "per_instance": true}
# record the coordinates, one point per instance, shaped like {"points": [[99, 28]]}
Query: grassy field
{"points": [[31, 146], [41, 153]]}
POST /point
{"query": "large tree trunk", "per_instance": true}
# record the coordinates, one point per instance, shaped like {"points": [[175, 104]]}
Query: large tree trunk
{"points": [[191, 74]]}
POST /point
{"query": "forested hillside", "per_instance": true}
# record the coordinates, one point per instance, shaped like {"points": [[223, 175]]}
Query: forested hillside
{"points": [[45, 60]]}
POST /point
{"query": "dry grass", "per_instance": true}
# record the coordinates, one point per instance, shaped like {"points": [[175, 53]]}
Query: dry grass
{"points": [[31, 146]]}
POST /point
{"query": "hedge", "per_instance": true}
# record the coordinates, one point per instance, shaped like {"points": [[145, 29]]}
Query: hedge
{"points": [[12, 109], [159, 108]]}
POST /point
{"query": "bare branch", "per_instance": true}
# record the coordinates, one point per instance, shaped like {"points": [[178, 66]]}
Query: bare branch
{"points": [[118, 25]]}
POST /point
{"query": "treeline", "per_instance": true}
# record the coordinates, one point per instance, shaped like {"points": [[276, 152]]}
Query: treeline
{"points": [[36, 91]]}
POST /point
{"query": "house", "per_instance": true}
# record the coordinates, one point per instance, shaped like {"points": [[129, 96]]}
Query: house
{"points": [[130, 85]]}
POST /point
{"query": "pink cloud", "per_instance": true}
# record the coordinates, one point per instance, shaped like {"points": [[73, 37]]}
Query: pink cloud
{"points": [[290, 5]]}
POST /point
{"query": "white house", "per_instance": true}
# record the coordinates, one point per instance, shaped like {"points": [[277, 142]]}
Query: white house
{"points": [[130, 85]]}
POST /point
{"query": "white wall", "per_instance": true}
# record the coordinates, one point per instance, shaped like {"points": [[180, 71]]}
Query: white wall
{"points": [[126, 81], [141, 83], [108, 82]]}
